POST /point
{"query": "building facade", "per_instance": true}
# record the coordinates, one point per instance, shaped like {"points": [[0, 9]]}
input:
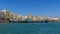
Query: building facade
{"points": [[31, 17], [38, 18], [19, 18], [6, 14], [11, 16], [2, 17]]}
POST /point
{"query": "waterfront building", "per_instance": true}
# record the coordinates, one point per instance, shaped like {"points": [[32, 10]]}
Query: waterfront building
{"points": [[34, 19], [11, 16], [38, 18], [24, 17], [44, 19], [20, 18], [14, 16], [7, 14], [49, 18], [2, 17], [59, 19], [31, 17], [55, 19]]}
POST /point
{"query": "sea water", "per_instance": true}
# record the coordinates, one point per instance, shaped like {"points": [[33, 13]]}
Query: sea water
{"points": [[29, 28]]}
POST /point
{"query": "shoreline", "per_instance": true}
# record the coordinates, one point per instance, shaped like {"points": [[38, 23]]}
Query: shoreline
{"points": [[27, 22]]}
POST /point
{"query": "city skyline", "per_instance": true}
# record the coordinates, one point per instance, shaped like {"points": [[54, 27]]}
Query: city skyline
{"points": [[35, 7], [6, 15]]}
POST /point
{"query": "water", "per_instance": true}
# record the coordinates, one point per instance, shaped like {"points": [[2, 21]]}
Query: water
{"points": [[30, 28]]}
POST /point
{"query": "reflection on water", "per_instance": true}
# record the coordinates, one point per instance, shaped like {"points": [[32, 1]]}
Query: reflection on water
{"points": [[30, 28]]}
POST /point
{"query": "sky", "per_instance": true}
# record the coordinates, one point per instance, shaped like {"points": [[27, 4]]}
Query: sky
{"points": [[35, 7]]}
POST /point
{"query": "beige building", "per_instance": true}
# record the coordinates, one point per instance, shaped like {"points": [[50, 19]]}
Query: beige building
{"points": [[38, 18], [11, 16], [34, 19], [20, 18], [30, 16], [6, 13], [2, 17], [15, 16]]}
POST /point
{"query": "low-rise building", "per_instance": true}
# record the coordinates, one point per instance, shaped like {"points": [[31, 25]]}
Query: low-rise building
{"points": [[31, 17], [34, 19], [2, 17], [20, 18], [15, 17], [24, 17], [6, 14], [11, 16], [38, 18]]}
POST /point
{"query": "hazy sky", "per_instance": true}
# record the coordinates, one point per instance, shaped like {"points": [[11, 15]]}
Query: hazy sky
{"points": [[36, 7]]}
